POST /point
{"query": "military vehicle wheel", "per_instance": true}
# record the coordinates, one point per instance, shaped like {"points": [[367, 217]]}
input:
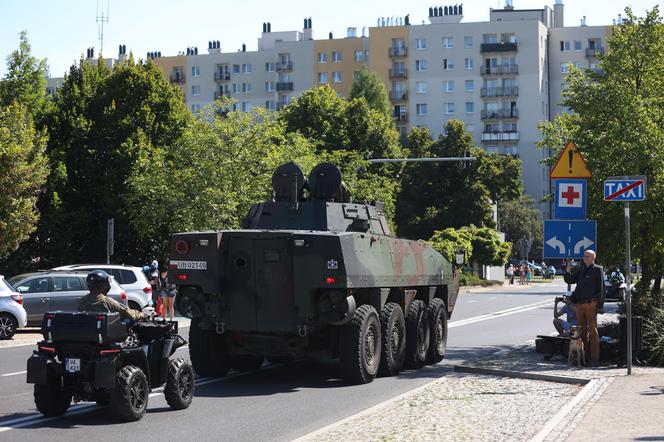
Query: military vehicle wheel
{"points": [[360, 346], [207, 351], [393, 332], [129, 398], [50, 399], [247, 362], [417, 335], [438, 324], [179, 390]]}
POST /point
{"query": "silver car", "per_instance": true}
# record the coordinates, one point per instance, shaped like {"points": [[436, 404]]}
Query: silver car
{"points": [[50, 291], [12, 313]]}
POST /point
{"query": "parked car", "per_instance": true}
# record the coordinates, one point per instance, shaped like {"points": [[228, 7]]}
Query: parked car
{"points": [[12, 313], [55, 290], [613, 292], [131, 279]]}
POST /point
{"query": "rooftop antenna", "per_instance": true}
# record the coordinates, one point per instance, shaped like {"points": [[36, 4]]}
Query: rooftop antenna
{"points": [[101, 19]]}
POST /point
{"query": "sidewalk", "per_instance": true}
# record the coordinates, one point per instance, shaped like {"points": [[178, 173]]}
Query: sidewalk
{"points": [[631, 408]]}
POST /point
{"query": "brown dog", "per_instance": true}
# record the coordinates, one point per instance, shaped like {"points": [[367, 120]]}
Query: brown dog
{"points": [[576, 346]]}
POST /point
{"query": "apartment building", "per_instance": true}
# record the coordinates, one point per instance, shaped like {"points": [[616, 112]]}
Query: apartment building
{"points": [[501, 77]]}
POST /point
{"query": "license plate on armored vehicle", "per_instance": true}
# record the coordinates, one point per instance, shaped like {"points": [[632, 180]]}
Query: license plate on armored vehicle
{"points": [[190, 265], [72, 365]]}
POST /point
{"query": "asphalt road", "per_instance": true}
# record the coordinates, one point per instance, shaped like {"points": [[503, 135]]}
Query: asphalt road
{"points": [[285, 401]]}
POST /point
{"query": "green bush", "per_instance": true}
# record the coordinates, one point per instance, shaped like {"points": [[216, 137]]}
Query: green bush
{"points": [[653, 336], [470, 280]]}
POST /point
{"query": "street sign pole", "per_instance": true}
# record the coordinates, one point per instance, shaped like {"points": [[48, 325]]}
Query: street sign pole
{"points": [[110, 227], [628, 289]]}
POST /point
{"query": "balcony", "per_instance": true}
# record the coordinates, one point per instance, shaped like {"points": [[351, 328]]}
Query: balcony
{"points": [[218, 95], [492, 137], [398, 73], [499, 91], [398, 95], [401, 117], [498, 47], [285, 67], [500, 114], [222, 76], [285, 86], [398, 51], [594, 52], [177, 78], [508, 69]]}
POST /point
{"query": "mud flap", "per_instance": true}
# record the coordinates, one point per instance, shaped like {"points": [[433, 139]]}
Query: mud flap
{"points": [[38, 366], [105, 374]]}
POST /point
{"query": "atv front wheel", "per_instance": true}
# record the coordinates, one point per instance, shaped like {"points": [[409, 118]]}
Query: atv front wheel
{"points": [[179, 390], [50, 399], [129, 398]]}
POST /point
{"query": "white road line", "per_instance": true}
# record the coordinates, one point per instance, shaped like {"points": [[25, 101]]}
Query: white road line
{"points": [[498, 314], [13, 374]]}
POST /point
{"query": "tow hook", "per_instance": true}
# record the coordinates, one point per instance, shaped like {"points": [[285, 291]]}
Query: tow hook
{"points": [[220, 328], [302, 331]]}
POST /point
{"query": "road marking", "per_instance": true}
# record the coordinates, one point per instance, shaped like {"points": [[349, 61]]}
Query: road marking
{"points": [[14, 374], [498, 314], [470, 302]]}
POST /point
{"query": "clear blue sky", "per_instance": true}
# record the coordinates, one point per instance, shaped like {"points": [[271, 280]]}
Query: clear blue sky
{"points": [[61, 30]]}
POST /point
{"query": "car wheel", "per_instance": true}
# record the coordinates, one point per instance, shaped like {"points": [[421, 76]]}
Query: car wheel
{"points": [[129, 398], [438, 323], [179, 390], [360, 346], [393, 331], [134, 306], [417, 335], [8, 326]]}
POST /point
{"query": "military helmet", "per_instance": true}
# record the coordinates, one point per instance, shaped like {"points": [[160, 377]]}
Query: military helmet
{"points": [[98, 282]]}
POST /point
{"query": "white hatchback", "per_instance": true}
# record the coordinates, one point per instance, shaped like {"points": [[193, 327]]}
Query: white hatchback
{"points": [[12, 313]]}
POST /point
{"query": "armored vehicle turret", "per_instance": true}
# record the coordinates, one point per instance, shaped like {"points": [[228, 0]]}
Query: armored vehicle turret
{"points": [[312, 274]]}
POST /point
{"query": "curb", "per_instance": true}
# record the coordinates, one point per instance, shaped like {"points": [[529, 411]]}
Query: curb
{"points": [[521, 375]]}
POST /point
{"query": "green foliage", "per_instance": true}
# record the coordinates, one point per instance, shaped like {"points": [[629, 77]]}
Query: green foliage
{"points": [[448, 241], [23, 171], [653, 336], [436, 195], [368, 86], [519, 219], [488, 249], [25, 80], [470, 280], [617, 120]]}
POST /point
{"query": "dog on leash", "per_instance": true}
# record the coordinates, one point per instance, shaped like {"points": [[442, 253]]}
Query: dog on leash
{"points": [[576, 346]]}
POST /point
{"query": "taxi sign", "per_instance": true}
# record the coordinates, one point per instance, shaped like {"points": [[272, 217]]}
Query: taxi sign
{"points": [[570, 164]]}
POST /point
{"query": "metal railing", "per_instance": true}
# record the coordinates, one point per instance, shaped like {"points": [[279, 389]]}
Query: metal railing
{"points": [[507, 69], [500, 136], [499, 114], [286, 66], [505, 46], [218, 94], [512, 91], [401, 117], [594, 52], [398, 95], [398, 51], [222, 76], [177, 78], [284, 86], [398, 73]]}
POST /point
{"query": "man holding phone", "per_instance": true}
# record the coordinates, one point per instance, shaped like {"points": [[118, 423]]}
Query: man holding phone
{"points": [[588, 296]]}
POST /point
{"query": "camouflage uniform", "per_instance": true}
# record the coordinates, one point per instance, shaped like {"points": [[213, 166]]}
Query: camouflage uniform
{"points": [[102, 303]]}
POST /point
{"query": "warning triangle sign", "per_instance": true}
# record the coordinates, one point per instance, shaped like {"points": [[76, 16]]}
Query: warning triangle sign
{"points": [[570, 164]]}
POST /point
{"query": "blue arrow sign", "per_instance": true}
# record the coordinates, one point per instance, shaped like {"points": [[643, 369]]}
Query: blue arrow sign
{"points": [[625, 188], [569, 239], [570, 199]]}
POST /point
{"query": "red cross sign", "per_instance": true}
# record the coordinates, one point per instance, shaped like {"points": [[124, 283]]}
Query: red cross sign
{"points": [[570, 195], [570, 199]]}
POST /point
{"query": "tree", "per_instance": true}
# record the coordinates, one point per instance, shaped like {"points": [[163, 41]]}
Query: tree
{"points": [[617, 120], [519, 219], [449, 241], [488, 249], [25, 80], [23, 171], [368, 86]]}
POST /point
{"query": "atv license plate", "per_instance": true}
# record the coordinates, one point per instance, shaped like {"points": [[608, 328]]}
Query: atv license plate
{"points": [[72, 365]]}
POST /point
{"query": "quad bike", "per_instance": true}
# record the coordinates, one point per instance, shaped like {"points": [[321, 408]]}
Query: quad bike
{"points": [[98, 357]]}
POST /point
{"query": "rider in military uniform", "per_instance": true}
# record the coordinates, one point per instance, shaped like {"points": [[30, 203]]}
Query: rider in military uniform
{"points": [[99, 283]]}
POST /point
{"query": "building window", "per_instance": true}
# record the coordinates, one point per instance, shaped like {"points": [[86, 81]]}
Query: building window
{"points": [[448, 86], [195, 107], [564, 68], [421, 87], [234, 88], [470, 107], [270, 105], [421, 108], [322, 57], [195, 91], [468, 41], [246, 87], [359, 56], [448, 64], [420, 43], [337, 57], [269, 86], [470, 85], [337, 77], [470, 63], [269, 67], [577, 45], [246, 106], [195, 71], [449, 108], [564, 46], [470, 128], [236, 68], [246, 68], [489, 38], [448, 42], [322, 77], [420, 65]]}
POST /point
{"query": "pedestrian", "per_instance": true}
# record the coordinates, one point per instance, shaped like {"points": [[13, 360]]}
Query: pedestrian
{"points": [[510, 274], [153, 278], [588, 295], [522, 274], [167, 295], [529, 275]]}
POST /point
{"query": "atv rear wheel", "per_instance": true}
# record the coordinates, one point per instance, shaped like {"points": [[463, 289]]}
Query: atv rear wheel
{"points": [[438, 323], [50, 399], [129, 398], [417, 335], [360, 346], [207, 351], [393, 332], [246, 362], [179, 390]]}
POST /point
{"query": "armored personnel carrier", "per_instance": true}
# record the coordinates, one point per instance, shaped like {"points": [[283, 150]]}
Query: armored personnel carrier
{"points": [[312, 274]]}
